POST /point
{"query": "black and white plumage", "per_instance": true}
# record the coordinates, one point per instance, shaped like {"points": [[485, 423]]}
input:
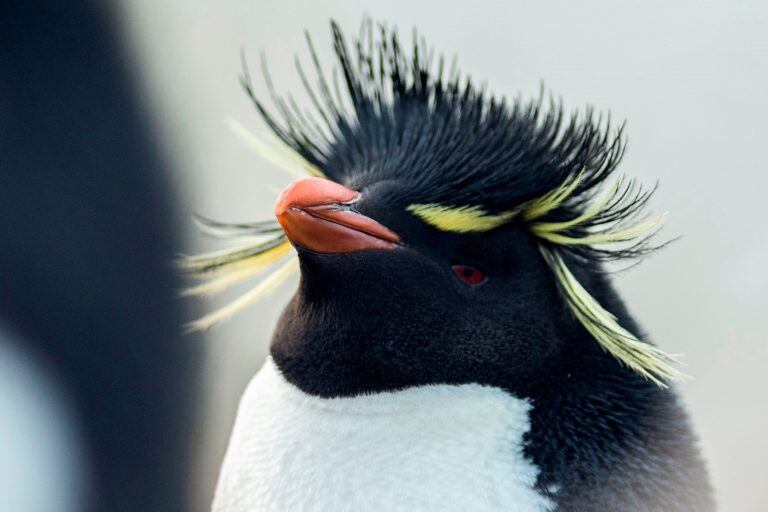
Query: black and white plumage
{"points": [[483, 287]]}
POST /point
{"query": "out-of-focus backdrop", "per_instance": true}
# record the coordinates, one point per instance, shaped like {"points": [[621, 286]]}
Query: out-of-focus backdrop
{"points": [[689, 77]]}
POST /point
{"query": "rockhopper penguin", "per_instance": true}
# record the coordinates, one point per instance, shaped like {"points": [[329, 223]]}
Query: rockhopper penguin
{"points": [[454, 343]]}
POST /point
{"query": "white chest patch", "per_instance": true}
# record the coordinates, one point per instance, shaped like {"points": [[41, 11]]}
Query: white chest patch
{"points": [[431, 448]]}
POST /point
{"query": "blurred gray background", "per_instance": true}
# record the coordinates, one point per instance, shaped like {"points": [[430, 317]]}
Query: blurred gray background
{"points": [[689, 77]]}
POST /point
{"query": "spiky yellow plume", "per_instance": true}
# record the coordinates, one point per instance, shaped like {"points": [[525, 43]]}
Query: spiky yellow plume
{"points": [[551, 200], [644, 358], [460, 219], [261, 290], [476, 219], [222, 269]]}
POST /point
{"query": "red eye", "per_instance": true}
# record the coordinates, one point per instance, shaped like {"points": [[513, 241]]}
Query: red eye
{"points": [[469, 275]]}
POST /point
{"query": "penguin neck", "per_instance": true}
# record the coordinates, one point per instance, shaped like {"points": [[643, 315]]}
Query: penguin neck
{"points": [[602, 431], [589, 406]]}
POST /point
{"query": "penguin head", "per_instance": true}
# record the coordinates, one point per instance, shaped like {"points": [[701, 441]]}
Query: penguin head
{"points": [[444, 236], [388, 301]]}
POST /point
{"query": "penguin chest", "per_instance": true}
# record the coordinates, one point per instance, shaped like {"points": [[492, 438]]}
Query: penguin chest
{"points": [[440, 448]]}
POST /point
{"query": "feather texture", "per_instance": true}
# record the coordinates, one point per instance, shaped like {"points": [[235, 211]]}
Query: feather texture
{"points": [[261, 290], [643, 358], [472, 163], [460, 219]]}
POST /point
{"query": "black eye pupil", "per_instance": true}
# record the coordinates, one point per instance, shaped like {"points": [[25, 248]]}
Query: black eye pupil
{"points": [[468, 272]]}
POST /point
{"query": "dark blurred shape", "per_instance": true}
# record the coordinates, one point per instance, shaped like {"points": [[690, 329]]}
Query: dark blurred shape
{"points": [[86, 247]]}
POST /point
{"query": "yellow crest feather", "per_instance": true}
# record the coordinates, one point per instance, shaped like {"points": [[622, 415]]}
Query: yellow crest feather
{"points": [[548, 227], [460, 219], [551, 200], [261, 290], [643, 358], [606, 237], [255, 257], [225, 268], [475, 219]]}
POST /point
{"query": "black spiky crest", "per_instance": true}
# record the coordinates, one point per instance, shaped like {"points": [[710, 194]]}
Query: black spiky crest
{"points": [[404, 117]]}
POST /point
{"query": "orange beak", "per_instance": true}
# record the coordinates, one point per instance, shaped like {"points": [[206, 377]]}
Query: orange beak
{"points": [[316, 214]]}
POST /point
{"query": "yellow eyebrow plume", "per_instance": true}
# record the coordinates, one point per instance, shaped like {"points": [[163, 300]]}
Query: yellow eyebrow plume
{"points": [[643, 358], [460, 219], [548, 202], [475, 219]]}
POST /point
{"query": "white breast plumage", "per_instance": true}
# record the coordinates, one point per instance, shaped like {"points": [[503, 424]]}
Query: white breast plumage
{"points": [[438, 447]]}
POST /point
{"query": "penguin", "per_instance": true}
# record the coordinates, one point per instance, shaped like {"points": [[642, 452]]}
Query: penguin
{"points": [[455, 342]]}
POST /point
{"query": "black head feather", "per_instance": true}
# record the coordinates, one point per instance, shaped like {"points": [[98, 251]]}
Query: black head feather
{"points": [[404, 117]]}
